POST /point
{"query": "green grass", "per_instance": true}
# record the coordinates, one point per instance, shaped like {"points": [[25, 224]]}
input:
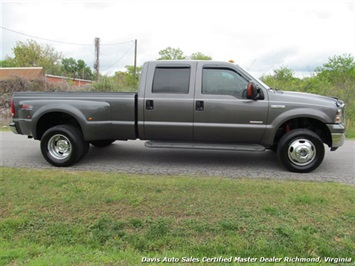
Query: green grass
{"points": [[57, 217], [4, 128], [350, 133]]}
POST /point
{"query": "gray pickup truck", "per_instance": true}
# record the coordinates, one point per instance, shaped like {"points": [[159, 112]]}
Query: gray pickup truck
{"points": [[185, 104]]}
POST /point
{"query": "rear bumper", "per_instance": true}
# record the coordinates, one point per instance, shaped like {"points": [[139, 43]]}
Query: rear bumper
{"points": [[337, 132]]}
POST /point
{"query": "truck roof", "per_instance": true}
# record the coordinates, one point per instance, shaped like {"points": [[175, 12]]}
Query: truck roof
{"points": [[187, 61]]}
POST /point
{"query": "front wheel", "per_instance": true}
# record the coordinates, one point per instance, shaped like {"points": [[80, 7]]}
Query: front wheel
{"points": [[63, 145], [300, 150]]}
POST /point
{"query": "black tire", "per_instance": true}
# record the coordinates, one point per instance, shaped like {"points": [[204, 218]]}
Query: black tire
{"points": [[102, 143], [63, 145], [300, 150]]}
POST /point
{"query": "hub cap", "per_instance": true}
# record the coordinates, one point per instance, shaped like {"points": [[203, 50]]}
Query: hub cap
{"points": [[59, 147], [301, 152]]}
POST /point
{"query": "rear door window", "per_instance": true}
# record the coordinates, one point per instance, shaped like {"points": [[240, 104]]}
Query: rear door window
{"points": [[171, 80]]}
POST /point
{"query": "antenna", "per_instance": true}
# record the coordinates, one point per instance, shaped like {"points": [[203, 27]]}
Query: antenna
{"points": [[97, 57]]}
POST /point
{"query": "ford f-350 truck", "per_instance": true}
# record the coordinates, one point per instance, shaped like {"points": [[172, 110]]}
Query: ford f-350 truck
{"points": [[185, 104]]}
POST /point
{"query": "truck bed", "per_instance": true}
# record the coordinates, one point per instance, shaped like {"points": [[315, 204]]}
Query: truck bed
{"points": [[101, 115]]}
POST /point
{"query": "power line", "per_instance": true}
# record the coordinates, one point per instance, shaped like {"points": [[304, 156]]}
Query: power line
{"points": [[50, 40], [119, 58]]}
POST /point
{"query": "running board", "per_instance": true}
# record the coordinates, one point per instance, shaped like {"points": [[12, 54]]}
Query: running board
{"points": [[204, 146]]}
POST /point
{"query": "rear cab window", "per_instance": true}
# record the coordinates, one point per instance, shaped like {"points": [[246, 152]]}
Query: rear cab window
{"points": [[171, 79]]}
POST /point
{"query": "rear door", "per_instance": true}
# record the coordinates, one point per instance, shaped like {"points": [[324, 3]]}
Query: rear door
{"points": [[168, 102]]}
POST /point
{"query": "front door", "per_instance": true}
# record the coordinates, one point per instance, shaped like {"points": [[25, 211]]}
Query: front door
{"points": [[222, 113]]}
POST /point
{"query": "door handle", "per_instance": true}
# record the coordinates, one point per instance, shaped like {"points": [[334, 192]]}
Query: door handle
{"points": [[149, 104], [200, 106]]}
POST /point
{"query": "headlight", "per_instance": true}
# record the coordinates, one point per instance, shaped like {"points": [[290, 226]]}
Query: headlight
{"points": [[339, 117]]}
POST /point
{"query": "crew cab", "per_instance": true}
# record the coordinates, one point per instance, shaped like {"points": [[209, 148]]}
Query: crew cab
{"points": [[185, 104]]}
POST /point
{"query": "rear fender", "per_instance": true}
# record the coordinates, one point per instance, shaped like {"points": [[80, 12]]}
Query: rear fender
{"points": [[59, 108]]}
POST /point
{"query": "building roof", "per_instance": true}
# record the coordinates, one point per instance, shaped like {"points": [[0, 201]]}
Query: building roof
{"points": [[67, 78], [23, 72]]}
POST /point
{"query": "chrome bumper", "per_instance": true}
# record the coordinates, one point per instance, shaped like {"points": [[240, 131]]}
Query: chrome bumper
{"points": [[337, 132]]}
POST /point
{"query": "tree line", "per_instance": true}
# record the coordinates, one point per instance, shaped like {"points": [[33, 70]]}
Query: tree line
{"points": [[32, 54]]}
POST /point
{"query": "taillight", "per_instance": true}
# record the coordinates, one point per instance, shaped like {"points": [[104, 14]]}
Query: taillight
{"points": [[12, 108]]}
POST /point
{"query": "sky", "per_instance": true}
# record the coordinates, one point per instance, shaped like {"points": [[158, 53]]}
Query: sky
{"points": [[260, 36]]}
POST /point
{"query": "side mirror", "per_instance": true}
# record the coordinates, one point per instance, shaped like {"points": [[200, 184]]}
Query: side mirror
{"points": [[252, 91]]}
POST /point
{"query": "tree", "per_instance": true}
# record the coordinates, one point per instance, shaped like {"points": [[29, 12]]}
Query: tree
{"points": [[339, 72], [125, 79], [130, 75], [6, 63], [76, 68], [339, 63], [284, 74], [283, 78], [32, 54], [176, 54], [200, 56], [171, 54]]}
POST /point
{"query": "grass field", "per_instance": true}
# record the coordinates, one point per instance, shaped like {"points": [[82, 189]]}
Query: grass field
{"points": [[350, 133], [85, 218]]}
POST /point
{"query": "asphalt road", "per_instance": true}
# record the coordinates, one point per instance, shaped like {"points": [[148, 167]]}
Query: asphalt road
{"points": [[133, 157]]}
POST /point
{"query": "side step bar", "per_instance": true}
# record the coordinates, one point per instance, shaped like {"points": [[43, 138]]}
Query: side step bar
{"points": [[204, 146]]}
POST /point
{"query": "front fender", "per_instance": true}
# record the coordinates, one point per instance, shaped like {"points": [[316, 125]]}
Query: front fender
{"points": [[278, 117]]}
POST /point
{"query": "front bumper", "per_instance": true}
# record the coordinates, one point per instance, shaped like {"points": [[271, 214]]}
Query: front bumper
{"points": [[337, 132]]}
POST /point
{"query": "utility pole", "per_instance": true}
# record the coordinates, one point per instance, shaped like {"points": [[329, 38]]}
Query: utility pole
{"points": [[135, 61], [97, 57]]}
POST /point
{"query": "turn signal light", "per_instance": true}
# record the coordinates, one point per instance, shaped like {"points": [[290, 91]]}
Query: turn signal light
{"points": [[338, 116]]}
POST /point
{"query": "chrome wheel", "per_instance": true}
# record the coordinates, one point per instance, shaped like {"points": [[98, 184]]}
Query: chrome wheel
{"points": [[63, 145], [302, 152], [59, 147]]}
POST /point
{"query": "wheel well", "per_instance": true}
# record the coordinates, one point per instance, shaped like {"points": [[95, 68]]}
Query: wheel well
{"points": [[54, 119], [309, 123]]}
